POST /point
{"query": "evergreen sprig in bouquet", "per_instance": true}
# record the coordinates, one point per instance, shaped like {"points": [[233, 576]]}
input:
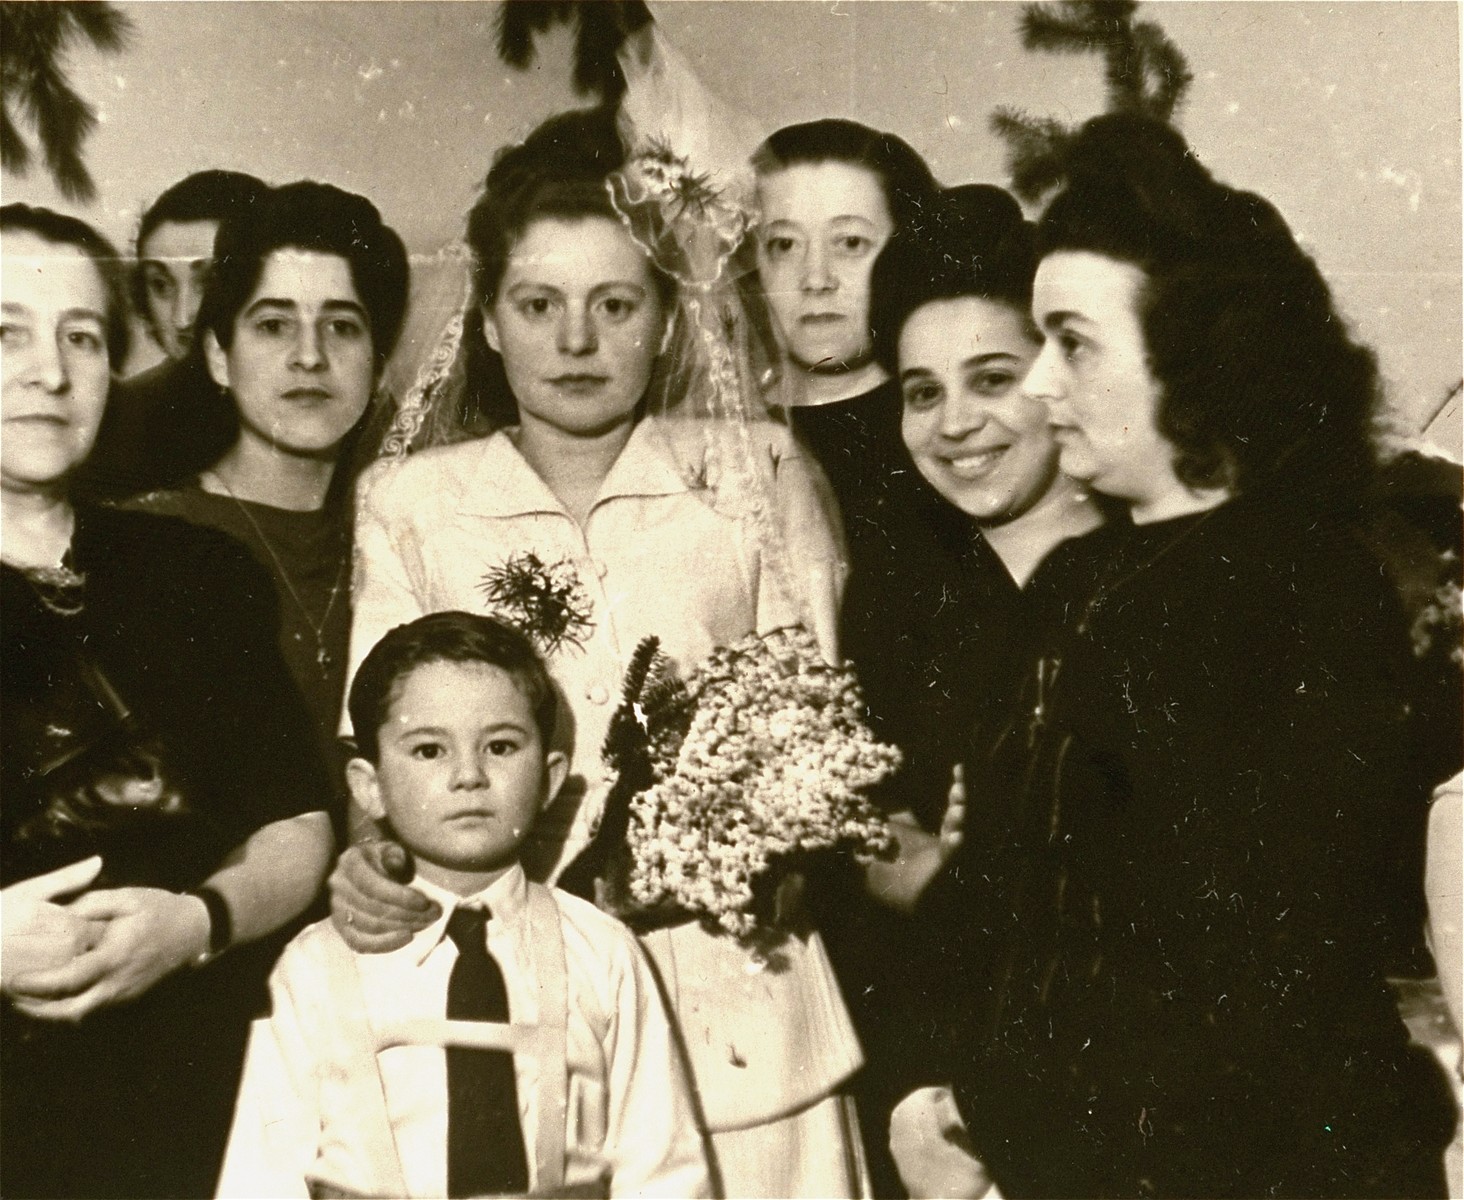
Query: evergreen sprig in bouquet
{"points": [[730, 779]]}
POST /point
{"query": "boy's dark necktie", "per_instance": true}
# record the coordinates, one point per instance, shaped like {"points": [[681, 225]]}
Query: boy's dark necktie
{"points": [[485, 1143]]}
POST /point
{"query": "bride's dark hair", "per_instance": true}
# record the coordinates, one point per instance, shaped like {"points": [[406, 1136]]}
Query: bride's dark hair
{"points": [[558, 172], [1262, 385]]}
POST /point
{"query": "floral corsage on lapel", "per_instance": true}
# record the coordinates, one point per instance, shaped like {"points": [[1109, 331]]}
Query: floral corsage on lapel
{"points": [[545, 600]]}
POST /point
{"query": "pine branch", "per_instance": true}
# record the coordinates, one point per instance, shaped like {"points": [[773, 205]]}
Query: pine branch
{"points": [[1035, 147], [626, 736], [103, 25], [1144, 72], [34, 40], [639, 670], [519, 20], [1124, 73], [15, 155], [1059, 32], [601, 26], [63, 122], [1166, 70]]}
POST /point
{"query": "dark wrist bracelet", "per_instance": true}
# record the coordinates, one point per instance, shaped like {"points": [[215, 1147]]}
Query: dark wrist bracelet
{"points": [[220, 923]]}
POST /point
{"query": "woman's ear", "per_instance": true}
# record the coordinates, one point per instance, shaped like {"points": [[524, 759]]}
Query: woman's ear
{"points": [[218, 361], [490, 331], [365, 788]]}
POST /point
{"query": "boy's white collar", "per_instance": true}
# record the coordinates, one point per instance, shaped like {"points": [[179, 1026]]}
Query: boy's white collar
{"points": [[505, 898]]}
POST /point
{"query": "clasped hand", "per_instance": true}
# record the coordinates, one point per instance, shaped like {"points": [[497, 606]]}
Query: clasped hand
{"points": [[63, 960]]}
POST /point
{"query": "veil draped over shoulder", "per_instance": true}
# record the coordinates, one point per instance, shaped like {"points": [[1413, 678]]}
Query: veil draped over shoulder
{"points": [[686, 194]]}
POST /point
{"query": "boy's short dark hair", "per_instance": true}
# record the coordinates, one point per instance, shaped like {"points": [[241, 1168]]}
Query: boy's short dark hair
{"points": [[202, 196], [315, 217], [62, 230], [457, 637]]}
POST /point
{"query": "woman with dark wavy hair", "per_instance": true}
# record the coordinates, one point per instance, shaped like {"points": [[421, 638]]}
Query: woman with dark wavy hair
{"points": [[1178, 873], [303, 307]]}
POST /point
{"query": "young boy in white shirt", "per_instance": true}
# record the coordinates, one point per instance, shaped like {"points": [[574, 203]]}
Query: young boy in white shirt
{"points": [[399, 1074]]}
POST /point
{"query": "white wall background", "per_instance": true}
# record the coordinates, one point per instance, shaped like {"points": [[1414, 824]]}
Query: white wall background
{"points": [[1347, 115]]}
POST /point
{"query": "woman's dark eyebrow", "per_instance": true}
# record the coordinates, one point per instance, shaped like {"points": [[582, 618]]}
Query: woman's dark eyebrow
{"points": [[975, 360], [283, 302], [15, 309], [1062, 316], [346, 306], [525, 285]]}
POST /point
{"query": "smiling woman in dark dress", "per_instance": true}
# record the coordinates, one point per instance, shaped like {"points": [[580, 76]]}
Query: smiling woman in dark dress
{"points": [[1175, 875], [941, 623], [951, 316], [146, 718]]}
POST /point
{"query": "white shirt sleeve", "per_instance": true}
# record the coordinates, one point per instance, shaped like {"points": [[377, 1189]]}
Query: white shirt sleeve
{"points": [[276, 1129]]}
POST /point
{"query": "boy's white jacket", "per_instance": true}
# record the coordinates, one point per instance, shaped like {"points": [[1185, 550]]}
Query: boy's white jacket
{"points": [[312, 1108]]}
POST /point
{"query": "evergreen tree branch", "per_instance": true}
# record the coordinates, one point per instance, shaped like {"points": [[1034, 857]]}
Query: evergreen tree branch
{"points": [[15, 155], [1143, 72], [101, 24], [1166, 69], [1124, 74], [63, 122], [34, 41], [1035, 148], [601, 26], [519, 20], [1062, 30]]}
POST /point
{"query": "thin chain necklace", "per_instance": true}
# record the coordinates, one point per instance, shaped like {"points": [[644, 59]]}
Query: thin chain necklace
{"points": [[322, 655]]}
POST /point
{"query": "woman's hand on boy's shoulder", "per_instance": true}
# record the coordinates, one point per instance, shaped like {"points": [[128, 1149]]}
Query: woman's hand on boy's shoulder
{"points": [[370, 903]]}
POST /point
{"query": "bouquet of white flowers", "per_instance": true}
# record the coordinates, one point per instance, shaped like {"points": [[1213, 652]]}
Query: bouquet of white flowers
{"points": [[727, 781]]}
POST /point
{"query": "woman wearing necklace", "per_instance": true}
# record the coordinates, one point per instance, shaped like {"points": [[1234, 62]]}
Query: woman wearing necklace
{"points": [[1174, 866], [148, 721], [301, 311]]}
